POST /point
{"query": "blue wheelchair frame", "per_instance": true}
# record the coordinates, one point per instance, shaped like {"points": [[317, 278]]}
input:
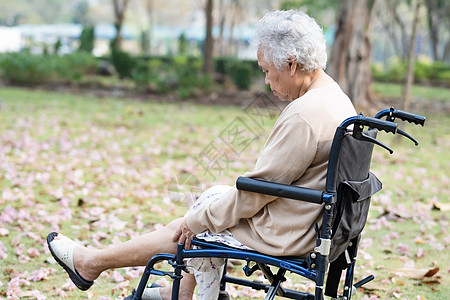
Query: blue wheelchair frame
{"points": [[313, 267]]}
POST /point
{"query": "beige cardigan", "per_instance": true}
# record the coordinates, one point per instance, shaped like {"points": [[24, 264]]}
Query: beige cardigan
{"points": [[295, 153]]}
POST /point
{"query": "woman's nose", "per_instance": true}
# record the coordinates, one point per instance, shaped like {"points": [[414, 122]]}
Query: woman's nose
{"points": [[267, 81]]}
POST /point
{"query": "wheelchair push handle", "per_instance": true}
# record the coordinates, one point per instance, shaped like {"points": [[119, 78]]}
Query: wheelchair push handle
{"points": [[402, 115], [378, 124], [410, 117]]}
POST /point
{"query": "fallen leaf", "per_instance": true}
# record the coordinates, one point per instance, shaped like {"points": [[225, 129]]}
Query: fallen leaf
{"points": [[431, 282], [441, 206], [414, 273]]}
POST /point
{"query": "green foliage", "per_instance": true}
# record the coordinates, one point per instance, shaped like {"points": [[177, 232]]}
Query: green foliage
{"points": [[73, 66], [180, 73], [241, 74], [155, 75], [314, 8], [424, 71], [145, 42], [24, 68], [220, 64], [183, 45], [57, 46], [87, 39], [123, 62]]}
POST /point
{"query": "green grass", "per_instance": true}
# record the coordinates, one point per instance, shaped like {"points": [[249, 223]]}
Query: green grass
{"points": [[121, 156], [426, 93]]}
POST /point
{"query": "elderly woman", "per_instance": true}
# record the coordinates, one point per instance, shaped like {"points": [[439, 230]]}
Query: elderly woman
{"points": [[292, 54]]}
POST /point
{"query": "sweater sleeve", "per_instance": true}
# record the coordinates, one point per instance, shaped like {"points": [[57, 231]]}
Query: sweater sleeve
{"points": [[288, 152]]}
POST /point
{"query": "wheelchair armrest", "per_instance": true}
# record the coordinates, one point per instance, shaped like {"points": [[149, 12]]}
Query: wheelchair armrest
{"points": [[279, 190]]}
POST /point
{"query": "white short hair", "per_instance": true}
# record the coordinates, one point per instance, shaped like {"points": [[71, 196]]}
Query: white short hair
{"points": [[288, 36]]}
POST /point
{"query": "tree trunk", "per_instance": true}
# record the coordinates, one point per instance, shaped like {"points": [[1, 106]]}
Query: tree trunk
{"points": [[350, 56], [223, 13], [120, 6], [433, 27], [208, 63], [234, 9], [410, 60]]}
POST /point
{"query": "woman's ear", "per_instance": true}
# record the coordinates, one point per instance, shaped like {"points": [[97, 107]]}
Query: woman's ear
{"points": [[293, 68]]}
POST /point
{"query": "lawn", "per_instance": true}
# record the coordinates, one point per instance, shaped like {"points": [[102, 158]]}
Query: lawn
{"points": [[103, 170]]}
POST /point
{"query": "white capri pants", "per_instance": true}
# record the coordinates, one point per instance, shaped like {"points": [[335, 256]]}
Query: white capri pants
{"points": [[208, 271]]}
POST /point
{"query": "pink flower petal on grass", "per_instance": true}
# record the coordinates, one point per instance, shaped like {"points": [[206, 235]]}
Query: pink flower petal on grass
{"points": [[403, 249], [41, 274], [8, 215], [3, 250], [117, 277], [33, 253], [61, 293], [19, 249], [64, 202], [420, 253], [4, 232], [23, 259], [37, 294]]}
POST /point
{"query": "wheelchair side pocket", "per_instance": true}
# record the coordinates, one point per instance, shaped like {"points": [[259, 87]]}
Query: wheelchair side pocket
{"points": [[351, 212], [363, 190]]}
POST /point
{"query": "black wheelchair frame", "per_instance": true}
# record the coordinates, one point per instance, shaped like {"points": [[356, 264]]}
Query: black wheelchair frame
{"points": [[317, 264]]}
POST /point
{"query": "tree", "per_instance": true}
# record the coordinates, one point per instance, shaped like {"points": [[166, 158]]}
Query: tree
{"points": [[120, 7], [208, 63], [151, 13], [87, 39], [410, 59], [318, 9], [438, 12], [183, 45], [80, 12], [350, 55], [395, 17]]}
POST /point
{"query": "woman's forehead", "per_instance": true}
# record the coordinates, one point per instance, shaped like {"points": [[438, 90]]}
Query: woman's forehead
{"points": [[261, 61]]}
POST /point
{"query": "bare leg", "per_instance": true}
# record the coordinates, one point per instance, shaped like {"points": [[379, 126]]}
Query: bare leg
{"points": [[90, 263]]}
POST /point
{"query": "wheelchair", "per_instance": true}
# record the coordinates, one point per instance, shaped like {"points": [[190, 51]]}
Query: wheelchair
{"points": [[346, 200]]}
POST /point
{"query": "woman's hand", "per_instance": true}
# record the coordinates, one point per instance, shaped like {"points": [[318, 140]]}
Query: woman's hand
{"points": [[184, 235]]}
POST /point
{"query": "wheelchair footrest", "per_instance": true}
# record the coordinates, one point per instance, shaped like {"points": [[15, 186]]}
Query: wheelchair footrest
{"points": [[363, 281]]}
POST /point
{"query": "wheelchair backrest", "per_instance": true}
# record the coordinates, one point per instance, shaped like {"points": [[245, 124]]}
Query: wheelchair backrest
{"points": [[349, 176]]}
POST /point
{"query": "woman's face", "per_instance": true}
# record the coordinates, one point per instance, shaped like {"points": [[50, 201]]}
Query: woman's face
{"points": [[281, 83]]}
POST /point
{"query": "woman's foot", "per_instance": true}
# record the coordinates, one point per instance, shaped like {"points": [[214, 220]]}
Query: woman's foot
{"points": [[80, 262], [62, 249]]}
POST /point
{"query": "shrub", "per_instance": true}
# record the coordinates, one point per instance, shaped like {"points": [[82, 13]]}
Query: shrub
{"points": [[73, 66], [444, 76], [87, 39], [424, 71], [24, 68], [154, 74], [123, 62], [183, 45], [241, 74], [180, 73]]}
